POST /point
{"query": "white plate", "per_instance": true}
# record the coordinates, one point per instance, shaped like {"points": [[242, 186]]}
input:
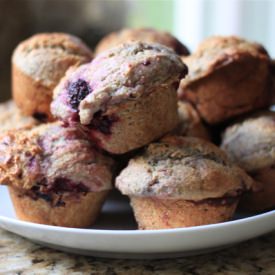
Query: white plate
{"points": [[115, 236]]}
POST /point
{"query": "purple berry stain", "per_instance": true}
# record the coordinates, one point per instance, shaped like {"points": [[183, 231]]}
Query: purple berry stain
{"points": [[103, 123], [78, 91], [61, 185]]}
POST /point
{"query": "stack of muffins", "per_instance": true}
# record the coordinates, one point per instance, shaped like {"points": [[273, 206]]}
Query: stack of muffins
{"points": [[143, 97]]}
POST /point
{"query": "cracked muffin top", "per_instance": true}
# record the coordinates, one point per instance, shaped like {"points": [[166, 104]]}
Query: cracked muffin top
{"points": [[53, 158], [218, 51], [183, 167], [120, 74], [143, 35], [47, 56], [11, 117], [190, 122], [251, 143]]}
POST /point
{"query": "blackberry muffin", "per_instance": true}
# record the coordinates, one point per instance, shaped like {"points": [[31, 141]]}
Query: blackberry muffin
{"points": [[38, 64], [54, 175], [125, 98], [228, 76], [190, 122], [251, 144], [11, 117], [181, 182], [147, 35]]}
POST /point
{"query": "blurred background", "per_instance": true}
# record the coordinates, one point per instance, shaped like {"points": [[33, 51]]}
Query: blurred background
{"points": [[189, 20]]}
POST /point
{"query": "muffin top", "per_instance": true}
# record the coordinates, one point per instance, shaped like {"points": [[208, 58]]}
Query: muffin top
{"points": [[126, 72], [143, 35], [251, 143], [182, 167], [54, 158], [47, 56], [218, 51], [11, 117], [190, 122]]}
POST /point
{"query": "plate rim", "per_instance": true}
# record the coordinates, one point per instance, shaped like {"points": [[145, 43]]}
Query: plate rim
{"points": [[133, 232]]}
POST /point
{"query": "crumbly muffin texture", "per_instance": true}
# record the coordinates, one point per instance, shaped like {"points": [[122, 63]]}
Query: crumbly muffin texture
{"points": [[52, 158], [47, 56], [182, 168], [251, 142], [143, 35], [11, 117], [123, 73]]}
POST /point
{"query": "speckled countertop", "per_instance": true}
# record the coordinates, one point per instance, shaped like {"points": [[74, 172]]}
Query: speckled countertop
{"points": [[20, 256]]}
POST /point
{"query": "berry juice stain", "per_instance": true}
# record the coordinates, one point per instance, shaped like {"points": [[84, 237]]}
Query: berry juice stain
{"points": [[103, 123]]}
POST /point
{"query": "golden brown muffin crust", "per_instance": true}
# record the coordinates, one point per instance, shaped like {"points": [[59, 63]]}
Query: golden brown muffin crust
{"points": [[144, 35], [218, 51], [66, 42], [182, 167], [14, 148], [49, 154], [45, 57]]}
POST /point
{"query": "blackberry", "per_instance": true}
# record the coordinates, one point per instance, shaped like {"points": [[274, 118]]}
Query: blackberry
{"points": [[61, 185], [78, 91]]}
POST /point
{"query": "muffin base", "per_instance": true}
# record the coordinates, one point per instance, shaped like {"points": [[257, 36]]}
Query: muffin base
{"points": [[139, 121], [154, 213], [79, 211], [264, 199], [31, 97]]}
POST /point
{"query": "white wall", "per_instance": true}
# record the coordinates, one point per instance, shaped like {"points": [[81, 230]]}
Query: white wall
{"points": [[251, 19]]}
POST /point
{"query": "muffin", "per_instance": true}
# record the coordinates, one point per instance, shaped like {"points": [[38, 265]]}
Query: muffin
{"points": [[228, 76], [143, 35], [251, 144], [125, 98], [54, 175], [181, 182], [190, 124], [11, 117], [38, 64]]}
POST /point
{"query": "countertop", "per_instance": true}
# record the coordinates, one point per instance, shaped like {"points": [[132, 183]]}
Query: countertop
{"points": [[20, 256]]}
